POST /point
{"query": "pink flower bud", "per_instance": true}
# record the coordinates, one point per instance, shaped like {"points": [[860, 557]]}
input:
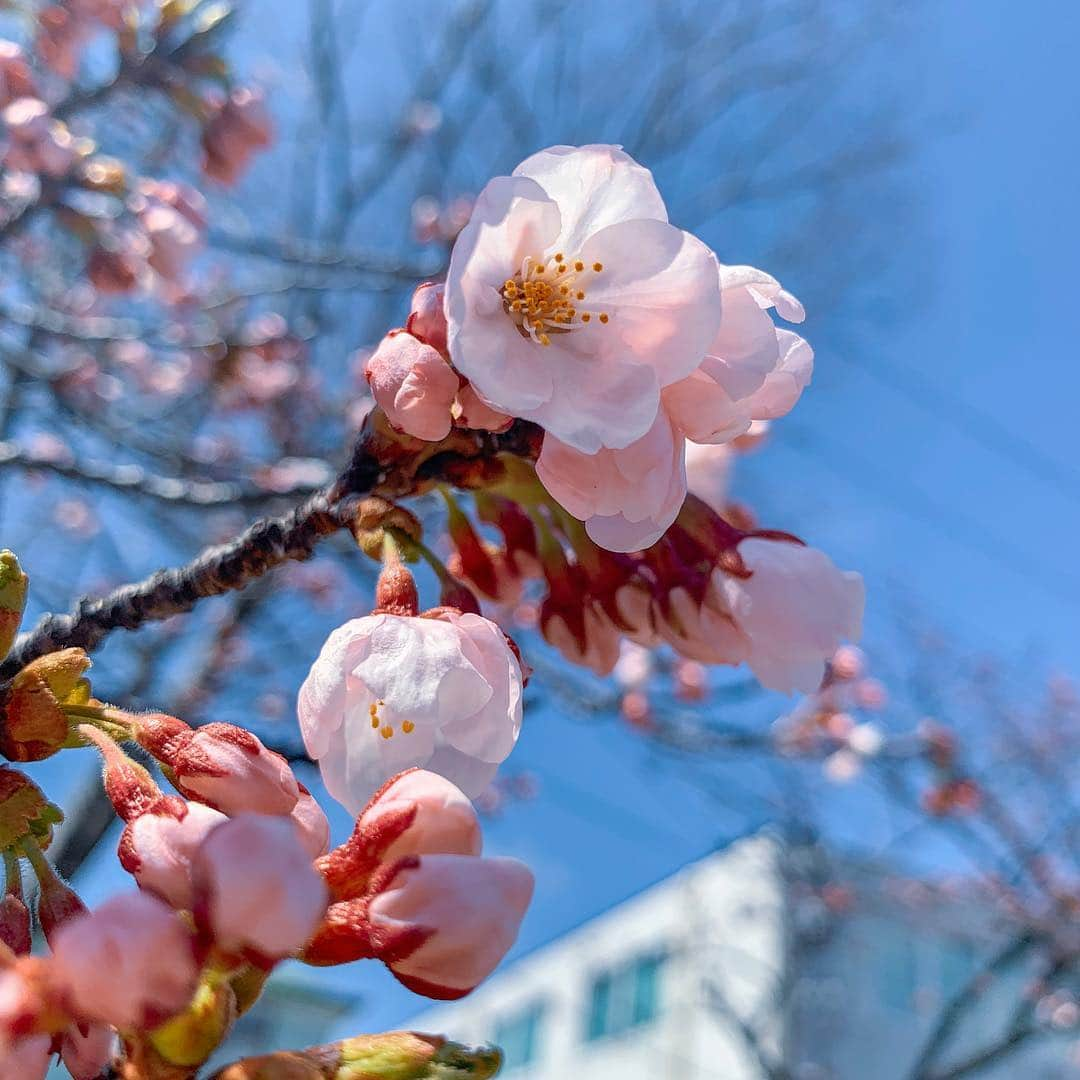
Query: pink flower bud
{"points": [[427, 320], [15, 923], [311, 823], [256, 891], [415, 813], [442, 923], [16, 78], [157, 847], [86, 1050], [129, 963], [228, 768], [413, 385]]}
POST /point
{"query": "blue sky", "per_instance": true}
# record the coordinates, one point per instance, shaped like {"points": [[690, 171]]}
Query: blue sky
{"points": [[905, 460]]}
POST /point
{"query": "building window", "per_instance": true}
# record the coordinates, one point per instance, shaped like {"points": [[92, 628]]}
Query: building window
{"points": [[518, 1036], [625, 997]]}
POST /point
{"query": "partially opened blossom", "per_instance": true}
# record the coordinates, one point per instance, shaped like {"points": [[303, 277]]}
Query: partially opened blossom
{"points": [[628, 497], [255, 887], [389, 692], [571, 301], [127, 963], [795, 608], [443, 922], [413, 385], [157, 847]]}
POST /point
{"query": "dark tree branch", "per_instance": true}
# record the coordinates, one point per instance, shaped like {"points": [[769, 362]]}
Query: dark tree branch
{"points": [[381, 464]]}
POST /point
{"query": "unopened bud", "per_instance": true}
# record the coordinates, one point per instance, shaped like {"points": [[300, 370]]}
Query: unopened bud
{"points": [[373, 516], [57, 902], [14, 914], [12, 599], [130, 788], [35, 725], [395, 592]]}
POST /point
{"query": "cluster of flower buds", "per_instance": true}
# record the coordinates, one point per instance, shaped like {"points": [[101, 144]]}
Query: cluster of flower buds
{"points": [[411, 888], [714, 593], [828, 723], [234, 876]]}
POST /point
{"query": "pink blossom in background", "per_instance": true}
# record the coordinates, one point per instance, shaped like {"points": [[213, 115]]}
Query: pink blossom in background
{"points": [[795, 608], [35, 142], [16, 78], [61, 35], [389, 692], [413, 384], [571, 301], [255, 887], [239, 128], [127, 963], [459, 914]]}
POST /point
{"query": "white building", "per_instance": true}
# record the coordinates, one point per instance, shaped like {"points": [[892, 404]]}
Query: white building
{"points": [[755, 962]]}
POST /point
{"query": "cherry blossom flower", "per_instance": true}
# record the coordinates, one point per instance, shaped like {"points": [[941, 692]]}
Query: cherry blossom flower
{"points": [[255, 887], [708, 472], [794, 608], [388, 692], [571, 301], [128, 963], [444, 922], [629, 496], [413, 385]]}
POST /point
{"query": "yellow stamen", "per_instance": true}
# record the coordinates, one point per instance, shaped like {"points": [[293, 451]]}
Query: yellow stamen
{"points": [[407, 726], [386, 731], [598, 267]]}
